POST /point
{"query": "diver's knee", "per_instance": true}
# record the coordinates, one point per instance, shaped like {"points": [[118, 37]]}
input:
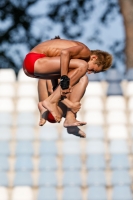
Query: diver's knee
{"points": [[83, 67], [84, 80]]}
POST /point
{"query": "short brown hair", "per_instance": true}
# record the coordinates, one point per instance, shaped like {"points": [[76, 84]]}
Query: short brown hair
{"points": [[56, 37], [104, 58]]}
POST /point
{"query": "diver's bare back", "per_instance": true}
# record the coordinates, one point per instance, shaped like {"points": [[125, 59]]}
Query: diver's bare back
{"points": [[53, 48]]}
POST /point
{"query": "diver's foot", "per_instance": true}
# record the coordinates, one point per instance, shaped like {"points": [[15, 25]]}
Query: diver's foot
{"points": [[43, 114], [76, 131], [73, 122], [52, 107]]}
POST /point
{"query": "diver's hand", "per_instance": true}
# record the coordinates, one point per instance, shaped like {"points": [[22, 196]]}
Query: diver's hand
{"points": [[66, 91]]}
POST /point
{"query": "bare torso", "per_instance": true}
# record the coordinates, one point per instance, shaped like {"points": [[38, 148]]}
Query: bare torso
{"points": [[53, 48]]}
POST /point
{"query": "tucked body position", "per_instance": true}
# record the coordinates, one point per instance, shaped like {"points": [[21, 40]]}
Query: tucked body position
{"points": [[68, 61], [46, 88]]}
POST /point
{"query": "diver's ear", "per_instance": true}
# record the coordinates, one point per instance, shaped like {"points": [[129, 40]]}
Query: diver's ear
{"points": [[93, 57]]}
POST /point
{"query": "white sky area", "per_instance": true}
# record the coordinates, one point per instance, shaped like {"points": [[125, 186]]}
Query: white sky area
{"points": [[108, 33]]}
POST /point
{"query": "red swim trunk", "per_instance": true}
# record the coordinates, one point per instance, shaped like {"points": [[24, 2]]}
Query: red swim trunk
{"points": [[50, 118], [28, 64]]}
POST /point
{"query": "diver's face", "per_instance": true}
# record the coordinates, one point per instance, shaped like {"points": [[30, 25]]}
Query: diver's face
{"points": [[93, 66]]}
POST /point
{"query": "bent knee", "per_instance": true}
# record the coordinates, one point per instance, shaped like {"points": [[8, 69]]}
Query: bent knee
{"points": [[83, 65], [84, 80]]}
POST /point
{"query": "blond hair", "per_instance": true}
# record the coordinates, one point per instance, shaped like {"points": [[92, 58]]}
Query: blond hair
{"points": [[104, 59]]}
